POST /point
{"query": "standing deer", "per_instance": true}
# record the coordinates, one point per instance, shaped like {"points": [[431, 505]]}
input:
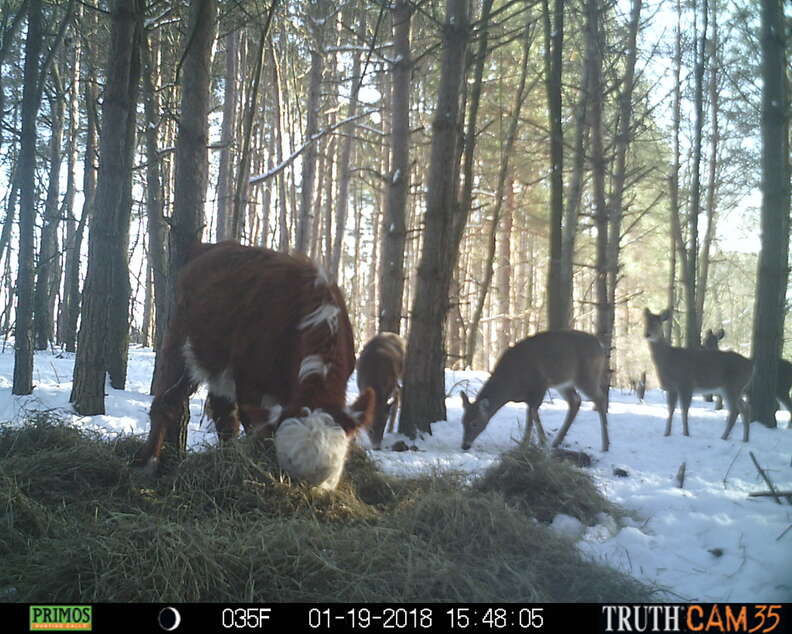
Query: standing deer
{"points": [[380, 367], [682, 372], [562, 359], [784, 383], [711, 340], [270, 336]]}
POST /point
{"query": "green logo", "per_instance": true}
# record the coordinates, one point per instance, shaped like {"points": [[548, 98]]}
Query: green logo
{"points": [[60, 617]]}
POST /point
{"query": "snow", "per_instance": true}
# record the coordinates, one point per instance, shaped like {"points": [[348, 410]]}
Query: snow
{"points": [[706, 542]]}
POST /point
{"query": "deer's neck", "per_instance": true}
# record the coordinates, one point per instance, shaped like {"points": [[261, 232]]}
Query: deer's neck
{"points": [[497, 391], [660, 352]]}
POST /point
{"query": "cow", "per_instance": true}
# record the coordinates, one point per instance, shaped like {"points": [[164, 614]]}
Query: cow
{"points": [[269, 335]]}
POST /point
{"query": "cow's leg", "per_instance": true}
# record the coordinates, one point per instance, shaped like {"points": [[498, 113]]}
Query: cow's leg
{"points": [[225, 415], [166, 410]]}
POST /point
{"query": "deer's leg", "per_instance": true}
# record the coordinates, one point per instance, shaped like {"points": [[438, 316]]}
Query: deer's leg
{"points": [[573, 400], [396, 396], [685, 397], [718, 402], [166, 410], [528, 425], [540, 432], [784, 399], [598, 394], [531, 417], [671, 399], [735, 408], [225, 414]]}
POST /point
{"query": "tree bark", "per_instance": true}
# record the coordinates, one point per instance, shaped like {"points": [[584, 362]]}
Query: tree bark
{"points": [[394, 226], [190, 181], [306, 219], [773, 270], [109, 231], [557, 309], [48, 248], [225, 167], [23, 342], [424, 378]]}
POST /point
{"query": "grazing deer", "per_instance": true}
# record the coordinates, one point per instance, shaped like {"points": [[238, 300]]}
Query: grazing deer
{"points": [[682, 372], [784, 383], [562, 359], [270, 336], [380, 367]]}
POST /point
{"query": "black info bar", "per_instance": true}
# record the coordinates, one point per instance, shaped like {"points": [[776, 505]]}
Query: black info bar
{"points": [[297, 618]]}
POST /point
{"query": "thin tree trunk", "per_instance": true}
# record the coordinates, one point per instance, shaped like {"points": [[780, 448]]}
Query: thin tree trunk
{"points": [[23, 342], [72, 256], [424, 378], [306, 218], [344, 167], [557, 310], [225, 167], [157, 228], [394, 229], [191, 175], [283, 210], [500, 192], [504, 273], [110, 223], [48, 249]]}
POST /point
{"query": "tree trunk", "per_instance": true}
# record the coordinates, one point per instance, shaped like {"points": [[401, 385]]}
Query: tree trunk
{"points": [[225, 167], [504, 275], [773, 271], [693, 319], [424, 378], [344, 167], [110, 223], [157, 228], [306, 219], [500, 193], [191, 175], [394, 226], [48, 248], [557, 309], [72, 257], [23, 342]]}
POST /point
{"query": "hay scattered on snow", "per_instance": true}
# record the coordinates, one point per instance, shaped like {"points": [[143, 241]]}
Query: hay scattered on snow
{"points": [[226, 525]]}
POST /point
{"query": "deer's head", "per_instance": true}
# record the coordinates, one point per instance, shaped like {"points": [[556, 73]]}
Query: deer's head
{"points": [[653, 325], [474, 420]]}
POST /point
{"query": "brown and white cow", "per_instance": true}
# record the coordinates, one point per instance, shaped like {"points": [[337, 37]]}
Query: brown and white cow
{"points": [[270, 336]]}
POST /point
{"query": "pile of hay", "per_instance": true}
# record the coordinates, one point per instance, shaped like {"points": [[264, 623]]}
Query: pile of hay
{"points": [[77, 524]]}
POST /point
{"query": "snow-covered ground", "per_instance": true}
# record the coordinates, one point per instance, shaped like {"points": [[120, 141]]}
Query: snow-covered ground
{"points": [[706, 542]]}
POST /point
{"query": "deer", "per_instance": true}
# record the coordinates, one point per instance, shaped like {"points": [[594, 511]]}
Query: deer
{"points": [[683, 372], [711, 339], [784, 383], [270, 336], [380, 366], [567, 360]]}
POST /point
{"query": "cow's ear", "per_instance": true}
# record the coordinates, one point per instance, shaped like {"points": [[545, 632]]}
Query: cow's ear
{"points": [[364, 407]]}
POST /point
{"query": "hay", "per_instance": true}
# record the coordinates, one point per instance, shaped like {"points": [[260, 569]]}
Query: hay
{"points": [[544, 486], [77, 524]]}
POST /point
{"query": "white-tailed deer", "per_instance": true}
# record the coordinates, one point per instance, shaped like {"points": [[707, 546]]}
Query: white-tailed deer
{"points": [[710, 342], [683, 372], [380, 366], [562, 359], [784, 383]]}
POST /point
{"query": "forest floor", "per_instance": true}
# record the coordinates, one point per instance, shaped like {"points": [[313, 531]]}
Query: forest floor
{"points": [[707, 541]]}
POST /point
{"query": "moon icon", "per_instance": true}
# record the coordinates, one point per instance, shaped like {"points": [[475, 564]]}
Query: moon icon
{"points": [[169, 619]]}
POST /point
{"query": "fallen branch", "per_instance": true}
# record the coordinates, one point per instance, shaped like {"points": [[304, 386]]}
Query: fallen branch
{"points": [[766, 479], [784, 533]]}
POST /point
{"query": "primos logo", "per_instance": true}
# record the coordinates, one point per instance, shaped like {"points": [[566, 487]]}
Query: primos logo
{"points": [[60, 617]]}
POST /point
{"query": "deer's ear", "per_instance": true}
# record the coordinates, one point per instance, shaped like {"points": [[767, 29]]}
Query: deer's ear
{"points": [[721, 334], [647, 313], [465, 401], [484, 406]]}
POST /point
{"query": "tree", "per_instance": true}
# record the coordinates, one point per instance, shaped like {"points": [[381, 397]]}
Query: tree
{"points": [[773, 259], [191, 176], [424, 376], [109, 231]]}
